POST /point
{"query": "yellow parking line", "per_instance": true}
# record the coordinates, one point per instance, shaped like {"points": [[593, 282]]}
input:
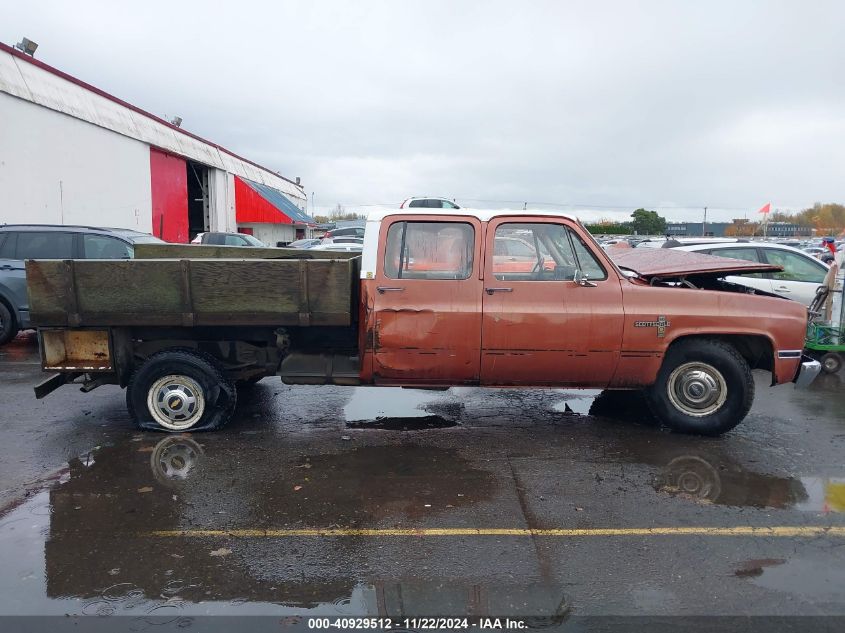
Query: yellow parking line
{"points": [[739, 530]]}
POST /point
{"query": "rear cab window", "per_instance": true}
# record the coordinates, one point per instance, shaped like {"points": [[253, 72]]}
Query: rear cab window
{"points": [[429, 250]]}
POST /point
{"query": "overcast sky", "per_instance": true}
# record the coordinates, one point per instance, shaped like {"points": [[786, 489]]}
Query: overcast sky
{"points": [[599, 107]]}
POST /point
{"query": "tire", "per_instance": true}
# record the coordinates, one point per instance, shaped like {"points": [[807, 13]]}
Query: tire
{"points": [[704, 387], [8, 326], [203, 399], [831, 362]]}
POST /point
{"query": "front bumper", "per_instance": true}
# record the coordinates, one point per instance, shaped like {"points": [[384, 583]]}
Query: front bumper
{"points": [[807, 371]]}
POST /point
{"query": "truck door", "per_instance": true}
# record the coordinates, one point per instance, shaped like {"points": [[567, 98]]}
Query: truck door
{"points": [[428, 301], [539, 326]]}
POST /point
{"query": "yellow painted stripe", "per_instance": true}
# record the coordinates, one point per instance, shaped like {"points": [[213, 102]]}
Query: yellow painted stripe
{"points": [[739, 530]]}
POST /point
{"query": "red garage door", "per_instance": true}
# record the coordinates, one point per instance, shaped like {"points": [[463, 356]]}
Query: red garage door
{"points": [[169, 177]]}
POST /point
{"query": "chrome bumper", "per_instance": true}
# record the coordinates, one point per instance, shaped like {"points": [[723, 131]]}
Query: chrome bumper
{"points": [[807, 372]]}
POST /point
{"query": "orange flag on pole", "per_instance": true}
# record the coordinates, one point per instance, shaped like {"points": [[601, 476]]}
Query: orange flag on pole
{"points": [[765, 208]]}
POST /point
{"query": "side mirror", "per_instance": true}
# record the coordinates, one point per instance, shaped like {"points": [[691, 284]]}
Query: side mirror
{"points": [[582, 279]]}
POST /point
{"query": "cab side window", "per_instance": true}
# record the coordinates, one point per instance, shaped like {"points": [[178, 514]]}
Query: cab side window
{"points": [[795, 267], [234, 240], [44, 245], [429, 250], [541, 252], [7, 245], [102, 247], [749, 254]]}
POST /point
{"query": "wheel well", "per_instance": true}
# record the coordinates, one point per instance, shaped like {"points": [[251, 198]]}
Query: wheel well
{"points": [[756, 349]]}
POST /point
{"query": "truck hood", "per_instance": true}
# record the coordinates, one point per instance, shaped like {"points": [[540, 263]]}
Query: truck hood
{"points": [[669, 262]]}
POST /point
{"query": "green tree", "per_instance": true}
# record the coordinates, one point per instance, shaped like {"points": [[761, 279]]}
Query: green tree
{"points": [[648, 222]]}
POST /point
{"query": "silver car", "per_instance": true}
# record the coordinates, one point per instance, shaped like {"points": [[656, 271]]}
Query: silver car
{"points": [[802, 274]]}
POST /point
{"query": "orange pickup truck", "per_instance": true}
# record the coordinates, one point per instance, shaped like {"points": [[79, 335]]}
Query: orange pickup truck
{"points": [[437, 298]]}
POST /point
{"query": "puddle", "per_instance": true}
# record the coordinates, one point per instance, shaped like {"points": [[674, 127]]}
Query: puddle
{"points": [[578, 402], [396, 409], [83, 546], [404, 424], [371, 403], [818, 580], [696, 478]]}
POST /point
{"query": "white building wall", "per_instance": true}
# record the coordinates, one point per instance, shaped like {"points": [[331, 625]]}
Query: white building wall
{"points": [[38, 85], [56, 169], [271, 234]]}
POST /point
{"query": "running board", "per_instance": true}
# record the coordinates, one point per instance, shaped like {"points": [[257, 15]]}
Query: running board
{"points": [[320, 369]]}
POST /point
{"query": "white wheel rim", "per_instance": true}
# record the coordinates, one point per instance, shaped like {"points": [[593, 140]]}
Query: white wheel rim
{"points": [[176, 402], [697, 389]]}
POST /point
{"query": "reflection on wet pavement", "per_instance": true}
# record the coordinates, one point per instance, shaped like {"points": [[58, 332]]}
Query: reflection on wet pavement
{"points": [[342, 459], [84, 545]]}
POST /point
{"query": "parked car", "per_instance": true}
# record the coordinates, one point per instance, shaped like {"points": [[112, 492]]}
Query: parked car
{"points": [[673, 242], [428, 203], [227, 239], [309, 243], [19, 242], [815, 251], [349, 231], [802, 274], [353, 247]]}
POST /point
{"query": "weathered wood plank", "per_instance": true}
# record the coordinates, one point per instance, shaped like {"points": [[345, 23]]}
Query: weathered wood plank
{"points": [[204, 291], [204, 251]]}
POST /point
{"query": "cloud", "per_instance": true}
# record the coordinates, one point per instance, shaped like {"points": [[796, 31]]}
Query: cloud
{"points": [[621, 104]]}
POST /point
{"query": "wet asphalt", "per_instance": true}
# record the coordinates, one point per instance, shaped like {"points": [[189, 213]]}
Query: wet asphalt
{"points": [[98, 518]]}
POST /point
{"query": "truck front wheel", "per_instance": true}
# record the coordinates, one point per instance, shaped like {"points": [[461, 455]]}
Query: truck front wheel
{"points": [[180, 390], [704, 387]]}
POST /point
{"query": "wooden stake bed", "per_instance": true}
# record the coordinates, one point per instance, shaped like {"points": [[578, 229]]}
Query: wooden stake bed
{"points": [[202, 290]]}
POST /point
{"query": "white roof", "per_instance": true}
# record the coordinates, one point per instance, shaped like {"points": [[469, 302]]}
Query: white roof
{"points": [[485, 215]]}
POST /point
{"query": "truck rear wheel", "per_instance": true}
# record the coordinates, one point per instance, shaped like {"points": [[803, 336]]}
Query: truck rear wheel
{"points": [[704, 387], [180, 390]]}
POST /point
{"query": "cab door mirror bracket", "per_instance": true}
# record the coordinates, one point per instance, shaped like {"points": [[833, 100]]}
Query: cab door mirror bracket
{"points": [[582, 279]]}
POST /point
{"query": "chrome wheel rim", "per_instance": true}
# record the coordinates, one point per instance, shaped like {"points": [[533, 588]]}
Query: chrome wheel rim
{"points": [[831, 364], [176, 402], [174, 458], [697, 389]]}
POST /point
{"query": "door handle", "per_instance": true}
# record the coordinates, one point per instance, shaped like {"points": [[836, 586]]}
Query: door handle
{"points": [[490, 291], [383, 289]]}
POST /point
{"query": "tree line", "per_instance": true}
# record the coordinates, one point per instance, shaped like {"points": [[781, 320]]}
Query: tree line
{"points": [[826, 218]]}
